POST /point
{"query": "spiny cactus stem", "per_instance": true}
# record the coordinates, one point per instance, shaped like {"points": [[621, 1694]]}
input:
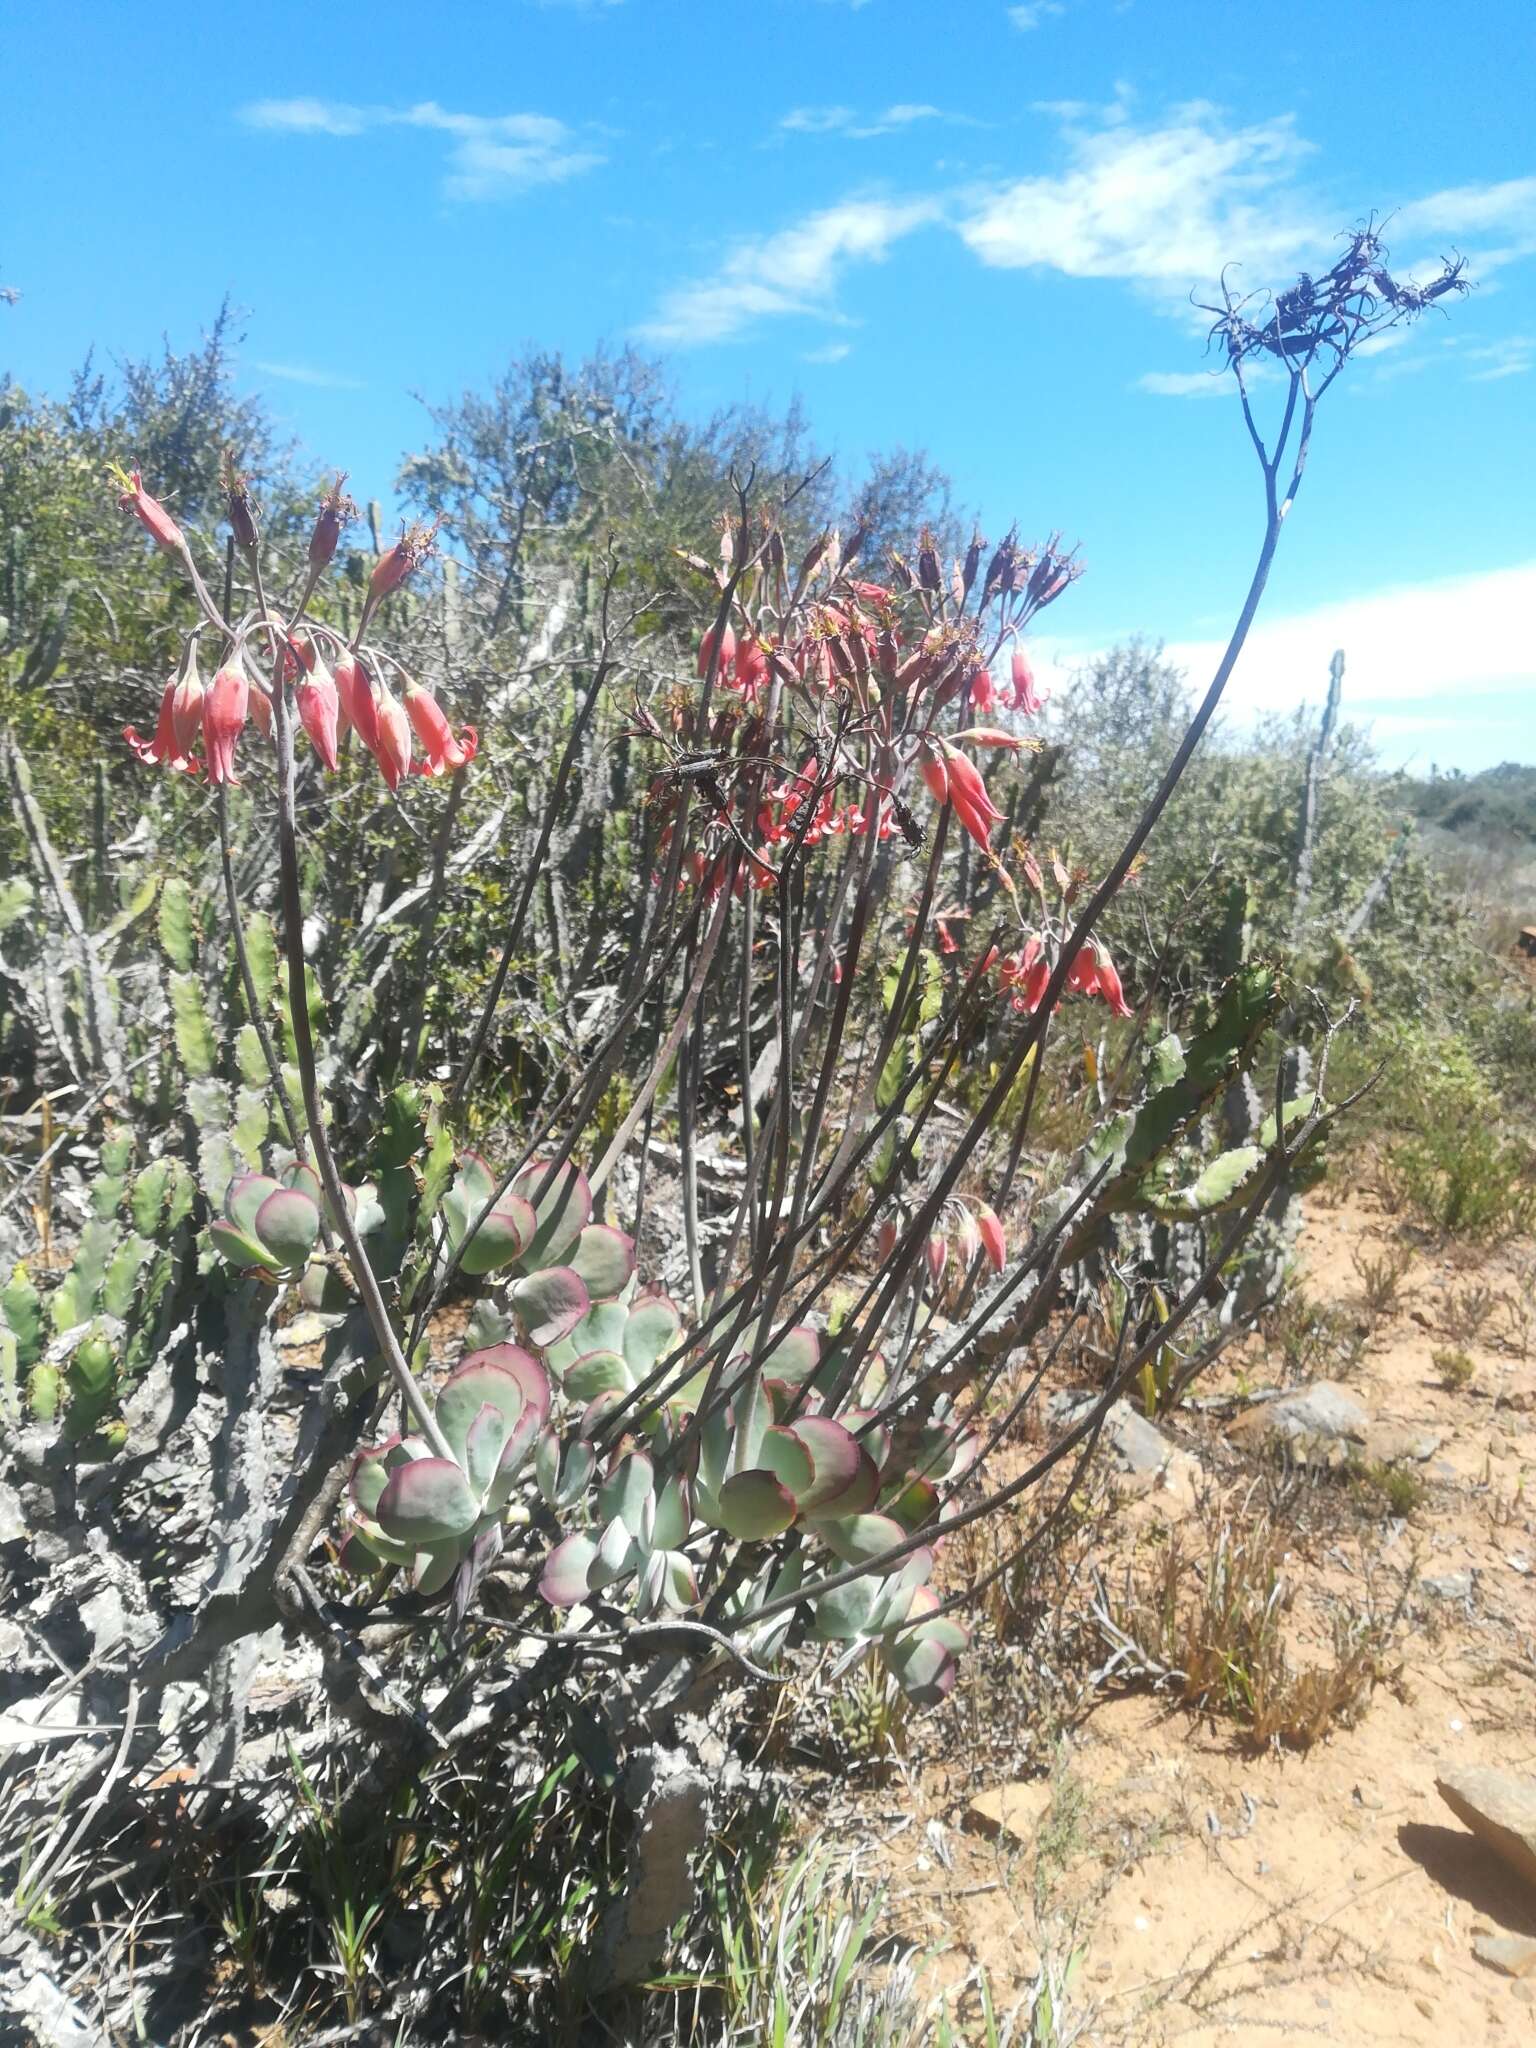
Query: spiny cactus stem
{"points": [[304, 1048]]}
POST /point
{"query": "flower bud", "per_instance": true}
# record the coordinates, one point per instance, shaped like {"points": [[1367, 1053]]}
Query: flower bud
{"points": [[408, 553], [149, 512], [707, 650], [392, 749], [319, 709], [336, 512], [241, 510], [354, 690], [990, 1230], [443, 748]]}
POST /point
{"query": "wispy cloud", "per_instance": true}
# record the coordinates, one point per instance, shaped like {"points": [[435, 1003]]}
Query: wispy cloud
{"points": [[490, 155], [1162, 207], [306, 373], [794, 271], [1036, 14], [1184, 383], [1514, 356], [833, 352], [1426, 642], [863, 127]]}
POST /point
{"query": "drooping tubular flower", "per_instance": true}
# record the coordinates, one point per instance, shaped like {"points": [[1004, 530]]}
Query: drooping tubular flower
{"points": [[261, 709], [354, 690], [1108, 981], [707, 650], [149, 512], [443, 748], [165, 748], [933, 767], [990, 1230], [187, 703], [319, 706], [408, 553], [1026, 697], [392, 745], [968, 793], [224, 712]]}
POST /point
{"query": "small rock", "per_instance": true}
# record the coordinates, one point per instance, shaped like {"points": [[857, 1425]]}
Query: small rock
{"points": [[1399, 1443], [1500, 1809], [1011, 1811], [1448, 1586], [1512, 1955], [1371, 1801], [1137, 1446], [1518, 1394], [1320, 1424]]}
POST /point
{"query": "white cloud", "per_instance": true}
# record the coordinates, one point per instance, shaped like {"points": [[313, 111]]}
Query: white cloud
{"points": [[1514, 356], [794, 271], [1162, 207], [491, 155], [857, 127], [304, 373], [1428, 643], [1035, 14], [833, 352]]}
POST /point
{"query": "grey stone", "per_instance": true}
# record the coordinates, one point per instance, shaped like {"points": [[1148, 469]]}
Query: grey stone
{"points": [[1137, 1445], [1512, 1955], [1500, 1809], [1321, 1423], [1448, 1586], [1399, 1443]]}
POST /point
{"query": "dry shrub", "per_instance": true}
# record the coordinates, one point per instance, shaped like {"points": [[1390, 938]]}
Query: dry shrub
{"points": [[1207, 1624]]}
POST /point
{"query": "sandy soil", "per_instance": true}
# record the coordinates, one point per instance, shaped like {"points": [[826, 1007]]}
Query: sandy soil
{"points": [[1175, 1888]]}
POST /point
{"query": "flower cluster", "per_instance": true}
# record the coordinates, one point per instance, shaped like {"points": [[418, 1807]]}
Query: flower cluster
{"points": [[1026, 975], [331, 701]]}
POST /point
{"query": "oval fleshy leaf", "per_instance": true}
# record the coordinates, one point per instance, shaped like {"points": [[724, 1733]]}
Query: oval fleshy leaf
{"points": [[435, 1565], [551, 1303], [370, 1472], [753, 1505], [244, 1196], [427, 1501], [783, 1454], [652, 1330], [795, 1357], [238, 1250], [600, 1372], [502, 1376], [563, 1581], [926, 1673], [626, 1490], [846, 1480], [751, 1414], [564, 1210], [600, 1329], [288, 1223], [605, 1259], [843, 1615], [861, 1537], [503, 1237], [483, 1446], [912, 1505], [674, 1513], [576, 1474], [303, 1176]]}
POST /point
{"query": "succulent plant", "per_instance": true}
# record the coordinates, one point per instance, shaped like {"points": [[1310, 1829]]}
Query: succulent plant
{"points": [[410, 1507], [560, 1261]]}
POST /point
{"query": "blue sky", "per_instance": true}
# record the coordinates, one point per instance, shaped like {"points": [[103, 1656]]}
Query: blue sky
{"points": [[967, 226]]}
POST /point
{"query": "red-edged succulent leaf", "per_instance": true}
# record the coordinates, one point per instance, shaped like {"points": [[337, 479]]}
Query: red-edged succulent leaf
{"points": [[302, 1176], [876, 1441], [605, 1259], [435, 1565], [551, 1303], [754, 1505], [795, 1357], [427, 1501], [651, 1331], [563, 1581], [288, 1223], [244, 1196], [240, 1251], [370, 1472], [861, 1537], [674, 1514], [789, 1460], [751, 1414], [503, 1375], [564, 1209], [926, 1673], [600, 1372], [845, 1482], [502, 1238]]}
